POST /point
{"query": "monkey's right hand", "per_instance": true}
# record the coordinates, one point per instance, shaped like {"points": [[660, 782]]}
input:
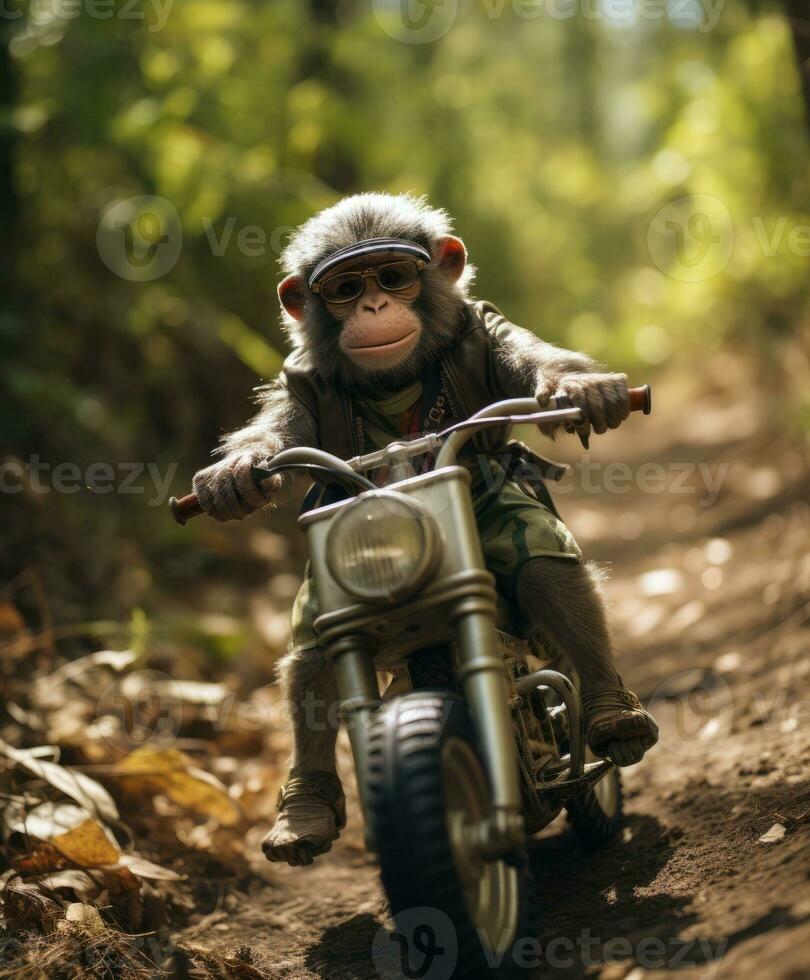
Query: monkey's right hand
{"points": [[227, 490]]}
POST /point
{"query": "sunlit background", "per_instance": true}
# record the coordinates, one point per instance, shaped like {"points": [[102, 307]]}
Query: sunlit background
{"points": [[630, 179]]}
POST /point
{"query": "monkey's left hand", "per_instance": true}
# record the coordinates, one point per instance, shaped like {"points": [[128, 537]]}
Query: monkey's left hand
{"points": [[602, 398]]}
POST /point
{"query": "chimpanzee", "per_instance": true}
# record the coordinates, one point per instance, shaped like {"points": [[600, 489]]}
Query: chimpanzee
{"points": [[387, 339]]}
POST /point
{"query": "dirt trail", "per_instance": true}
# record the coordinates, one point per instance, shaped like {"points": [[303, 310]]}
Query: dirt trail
{"points": [[711, 604]]}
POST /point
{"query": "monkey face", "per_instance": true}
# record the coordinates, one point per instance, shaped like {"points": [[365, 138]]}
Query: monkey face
{"points": [[380, 328], [383, 334]]}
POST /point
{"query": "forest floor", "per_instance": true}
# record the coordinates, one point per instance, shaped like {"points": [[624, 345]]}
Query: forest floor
{"points": [[710, 591]]}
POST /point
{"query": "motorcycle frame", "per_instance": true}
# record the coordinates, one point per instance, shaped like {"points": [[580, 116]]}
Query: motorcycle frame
{"points": [[461, 592]]}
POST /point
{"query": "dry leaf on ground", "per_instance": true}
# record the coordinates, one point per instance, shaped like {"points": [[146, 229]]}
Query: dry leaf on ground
{"points": [[84, 790], [72, 831], [69, 834], [173, 773]]}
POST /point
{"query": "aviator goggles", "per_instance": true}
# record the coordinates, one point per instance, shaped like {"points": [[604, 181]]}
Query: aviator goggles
{"points": [[346, 287]]}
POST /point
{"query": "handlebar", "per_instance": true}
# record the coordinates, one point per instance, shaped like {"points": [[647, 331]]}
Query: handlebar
{"points": [[513, 410], [640, 399]]}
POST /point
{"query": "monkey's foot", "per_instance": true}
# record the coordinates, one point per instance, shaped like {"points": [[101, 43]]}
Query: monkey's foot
{"points": [[617, 726], [311, 814]]}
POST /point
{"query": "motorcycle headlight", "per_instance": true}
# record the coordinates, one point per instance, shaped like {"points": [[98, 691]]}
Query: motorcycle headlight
{"points": [[382, 547]]}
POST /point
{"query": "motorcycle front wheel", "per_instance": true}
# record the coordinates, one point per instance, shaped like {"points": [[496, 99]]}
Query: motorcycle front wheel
{"points": [[425, 786], [597, 814]]}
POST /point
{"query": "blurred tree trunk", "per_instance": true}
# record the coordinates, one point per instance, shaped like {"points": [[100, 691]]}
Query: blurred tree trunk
{"points": [[581, 55], [798, 12], [8, 197]]}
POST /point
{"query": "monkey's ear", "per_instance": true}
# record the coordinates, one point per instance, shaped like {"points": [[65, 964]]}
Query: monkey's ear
{"points": [[450, 254], [291, 294]]}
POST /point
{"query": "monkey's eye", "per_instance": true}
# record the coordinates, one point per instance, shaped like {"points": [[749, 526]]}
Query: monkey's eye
{"points": [[397, 275], [342, 288]]}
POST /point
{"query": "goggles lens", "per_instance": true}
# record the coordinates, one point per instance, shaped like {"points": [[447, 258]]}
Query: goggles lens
{"points": [[348, 286]]}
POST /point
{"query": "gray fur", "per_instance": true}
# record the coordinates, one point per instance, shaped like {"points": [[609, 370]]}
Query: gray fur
{"points": [[280, 422], [308, 687], [529, 364], [226, 489], [563, 603]]}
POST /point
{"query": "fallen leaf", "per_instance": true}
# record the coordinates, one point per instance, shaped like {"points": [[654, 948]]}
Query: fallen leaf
{"points": [[67, 833], [10, 619], [777, 832], [147, 869], [193, 692], [47, 819], [84, 790], [28, 718], [80, 883], [72, 831], [41, 858], [172, 772], [87, 845], [116, 659]]}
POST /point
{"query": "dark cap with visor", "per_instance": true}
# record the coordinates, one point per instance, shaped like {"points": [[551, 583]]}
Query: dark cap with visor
{"points": [[397, 247]]}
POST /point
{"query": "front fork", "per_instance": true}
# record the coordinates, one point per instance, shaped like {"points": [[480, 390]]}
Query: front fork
{"points": [[483, 682], [352, 660]]}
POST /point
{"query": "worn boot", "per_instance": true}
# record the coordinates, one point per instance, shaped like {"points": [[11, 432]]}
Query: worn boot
{"points": [[311, 813], [617, 726]]}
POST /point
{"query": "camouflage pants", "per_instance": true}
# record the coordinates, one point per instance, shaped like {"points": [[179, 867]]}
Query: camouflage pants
{"points": [[514, 527]]}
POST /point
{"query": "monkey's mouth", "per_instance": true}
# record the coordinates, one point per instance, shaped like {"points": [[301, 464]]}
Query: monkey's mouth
{"points": [[384, 348]]}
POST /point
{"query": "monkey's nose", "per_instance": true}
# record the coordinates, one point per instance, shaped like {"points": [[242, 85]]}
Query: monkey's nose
{"points": [[375, 303]]}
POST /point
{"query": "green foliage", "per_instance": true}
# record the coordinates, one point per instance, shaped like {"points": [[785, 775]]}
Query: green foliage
{"points": [[555, 143]]}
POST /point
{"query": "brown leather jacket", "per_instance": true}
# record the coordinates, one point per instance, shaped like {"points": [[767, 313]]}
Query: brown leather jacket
{"points": [[475, 370]]}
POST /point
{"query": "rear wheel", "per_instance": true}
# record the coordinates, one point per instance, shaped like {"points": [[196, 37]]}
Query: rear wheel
{"points": [[597, 814], [426, 787]]}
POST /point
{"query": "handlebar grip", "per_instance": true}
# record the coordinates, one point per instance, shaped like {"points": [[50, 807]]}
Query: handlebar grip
{"points": [[185, 508], [640, 399]]}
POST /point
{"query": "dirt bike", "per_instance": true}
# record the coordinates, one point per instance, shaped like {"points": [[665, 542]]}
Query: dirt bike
{"points": [[479, 743]]}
